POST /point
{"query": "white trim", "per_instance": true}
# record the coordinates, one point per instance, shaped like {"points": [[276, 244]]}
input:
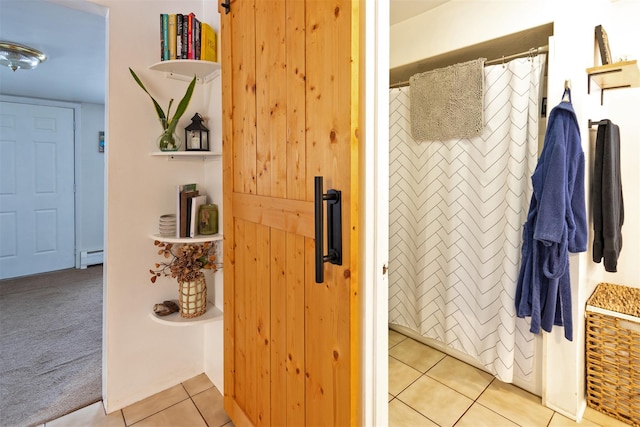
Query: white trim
{"points": [[375, 213]]}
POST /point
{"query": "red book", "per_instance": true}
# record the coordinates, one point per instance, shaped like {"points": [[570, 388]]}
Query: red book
{"points": [[190, 47]]}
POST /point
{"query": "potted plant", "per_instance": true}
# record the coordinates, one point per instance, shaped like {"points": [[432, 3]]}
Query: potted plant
{"points": [[169, 140], [186, 264]]}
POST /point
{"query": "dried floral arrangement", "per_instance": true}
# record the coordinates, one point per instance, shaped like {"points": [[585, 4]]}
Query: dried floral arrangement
{"points": [[184, 262]]}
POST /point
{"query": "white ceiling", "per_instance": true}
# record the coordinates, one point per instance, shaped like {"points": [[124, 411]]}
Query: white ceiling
{"points": [[72, 35], [72, 39], [401, 10]]}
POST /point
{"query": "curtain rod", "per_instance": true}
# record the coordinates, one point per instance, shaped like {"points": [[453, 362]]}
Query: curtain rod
{"points": [[531, 52]]}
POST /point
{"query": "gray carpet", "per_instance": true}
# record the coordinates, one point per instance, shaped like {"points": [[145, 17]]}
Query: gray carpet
{"points": [[50, 345]]}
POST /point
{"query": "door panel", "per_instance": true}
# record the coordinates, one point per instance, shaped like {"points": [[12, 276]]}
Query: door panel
{"points": [[36, 189], [289, 86]]}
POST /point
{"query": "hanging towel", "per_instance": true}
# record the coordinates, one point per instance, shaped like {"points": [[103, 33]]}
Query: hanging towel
{"points": [[607, 202], [448, 102]]}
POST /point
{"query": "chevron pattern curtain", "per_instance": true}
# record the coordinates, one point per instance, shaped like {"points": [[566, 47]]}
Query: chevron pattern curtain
{"points": [[456, 214]]}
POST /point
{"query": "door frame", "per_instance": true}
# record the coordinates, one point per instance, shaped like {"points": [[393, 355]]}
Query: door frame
{"points": [[374, 215], [77, 120]]}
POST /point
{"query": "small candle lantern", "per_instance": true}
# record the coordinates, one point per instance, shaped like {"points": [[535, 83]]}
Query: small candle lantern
{"points": [[196, 135]]}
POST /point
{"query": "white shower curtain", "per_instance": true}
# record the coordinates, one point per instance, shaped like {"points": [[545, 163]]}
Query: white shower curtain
{"points": [[456, 214]]}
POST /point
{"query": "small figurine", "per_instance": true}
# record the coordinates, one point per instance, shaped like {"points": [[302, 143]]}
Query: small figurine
{"points": [[166, 308]]}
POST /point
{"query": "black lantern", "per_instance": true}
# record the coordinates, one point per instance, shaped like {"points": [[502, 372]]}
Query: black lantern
{"points": [[196, 136]]}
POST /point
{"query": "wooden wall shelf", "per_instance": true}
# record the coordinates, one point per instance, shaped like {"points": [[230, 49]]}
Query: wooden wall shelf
{"points": [[619, 75]]}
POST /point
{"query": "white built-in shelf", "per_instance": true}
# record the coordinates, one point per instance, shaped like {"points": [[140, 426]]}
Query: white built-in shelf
{"points": [[203, 70], [200, 238], [174, 319], [623, 74], [187, 154]]}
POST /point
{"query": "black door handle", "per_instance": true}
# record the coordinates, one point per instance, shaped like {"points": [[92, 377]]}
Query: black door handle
{"points": [[334, 227]]}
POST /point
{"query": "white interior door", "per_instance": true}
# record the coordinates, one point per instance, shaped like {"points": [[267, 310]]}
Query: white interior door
{"points": [[36, 189]]}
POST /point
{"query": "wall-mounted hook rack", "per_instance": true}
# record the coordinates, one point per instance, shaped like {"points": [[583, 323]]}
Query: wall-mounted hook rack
{"points": [[593, 123]]}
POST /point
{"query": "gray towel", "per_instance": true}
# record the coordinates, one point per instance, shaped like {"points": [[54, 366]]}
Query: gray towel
{"points": [[448, 102]]}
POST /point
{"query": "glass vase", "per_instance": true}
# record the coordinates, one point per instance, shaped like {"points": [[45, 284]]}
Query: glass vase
{"points": [[169, 141]]}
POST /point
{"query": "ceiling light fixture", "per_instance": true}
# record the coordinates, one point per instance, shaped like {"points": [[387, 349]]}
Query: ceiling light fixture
{"points": [[16, 56]]}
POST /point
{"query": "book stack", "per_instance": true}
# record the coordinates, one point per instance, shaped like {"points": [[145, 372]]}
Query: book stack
{"points": [[184, 36], [188, 202]]}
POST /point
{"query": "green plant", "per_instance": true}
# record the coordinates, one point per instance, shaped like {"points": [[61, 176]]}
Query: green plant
{"points": [[185, 262], [169, 123]]}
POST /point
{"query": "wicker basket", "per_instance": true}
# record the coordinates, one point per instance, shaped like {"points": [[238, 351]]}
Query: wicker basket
{"points": [[193, 297], [613, 352]]}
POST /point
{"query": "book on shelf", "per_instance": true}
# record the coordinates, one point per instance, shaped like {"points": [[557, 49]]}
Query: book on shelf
{"points": [[603, 45], [179, 36], [180, 212], [172, 36], [185, 219], [196, 202], [196, 38], [184, 36], [208, 45], [190, 51], [165, 36]]}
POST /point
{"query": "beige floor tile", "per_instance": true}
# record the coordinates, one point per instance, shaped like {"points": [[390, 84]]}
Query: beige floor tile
{"points": [[154, 404], [395, 338], [559, 420], [461, 377], [401, 415], [92, 415], [197, 384], [183, 414], [210, 403], [602, 419], [416, 355], [436, 401], [517, 405], [400, 376], [479, 416]]}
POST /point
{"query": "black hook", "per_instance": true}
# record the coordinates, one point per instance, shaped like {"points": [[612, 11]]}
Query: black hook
{"points": [[227, 6]]}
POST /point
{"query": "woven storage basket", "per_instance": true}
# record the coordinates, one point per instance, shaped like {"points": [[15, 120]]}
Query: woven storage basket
{"points": [[613, 352]]}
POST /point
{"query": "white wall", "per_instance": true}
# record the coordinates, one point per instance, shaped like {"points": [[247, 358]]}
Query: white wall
{"points": [[461, 23], [90, 184], [141, 356]]}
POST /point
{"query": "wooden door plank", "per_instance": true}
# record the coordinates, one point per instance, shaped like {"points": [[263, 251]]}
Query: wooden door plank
{"points": [[296, 339], [295, 77], [279, 323], [328, 112], [250, 303], [244, 97], [263, 325], [271, 96], [294, 216], [240, 319], [226, 50]]}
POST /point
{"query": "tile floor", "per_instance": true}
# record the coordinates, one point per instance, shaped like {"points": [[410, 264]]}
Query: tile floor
{"points": [[194, 403], [426, 388], [429, 388]]}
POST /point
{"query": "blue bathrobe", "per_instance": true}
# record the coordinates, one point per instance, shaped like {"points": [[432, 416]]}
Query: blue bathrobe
{"points": [[556, 225]]}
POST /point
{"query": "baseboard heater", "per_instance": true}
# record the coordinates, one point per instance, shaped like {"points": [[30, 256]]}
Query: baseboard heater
{"points": [[88, 258]]}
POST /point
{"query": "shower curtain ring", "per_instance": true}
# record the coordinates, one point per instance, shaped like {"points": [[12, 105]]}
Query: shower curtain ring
{"points": [[502, 61]]}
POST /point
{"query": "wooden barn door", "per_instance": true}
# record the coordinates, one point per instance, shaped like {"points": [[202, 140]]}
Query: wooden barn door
{"points": [[290, 72]]}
